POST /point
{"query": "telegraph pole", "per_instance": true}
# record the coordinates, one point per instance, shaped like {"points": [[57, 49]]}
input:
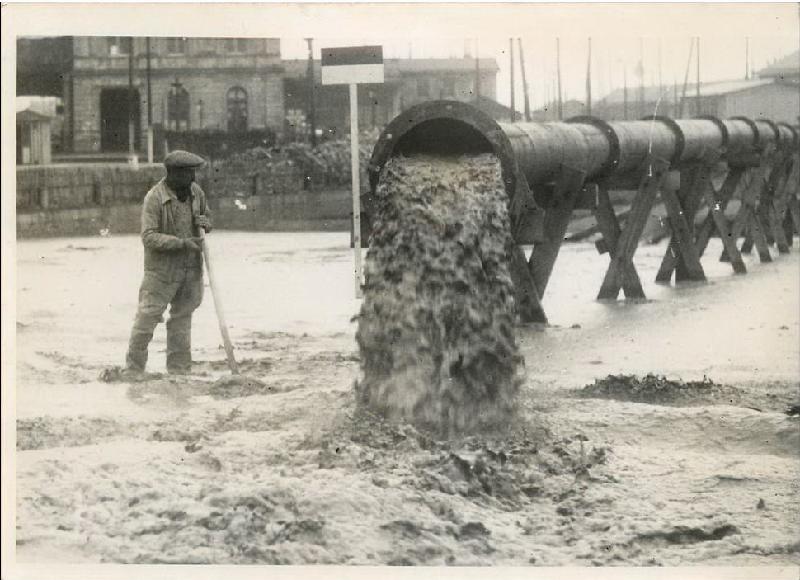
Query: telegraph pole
{"points": [[149, 107], [131, 104], [477, 73], [511, 64], [625, 92], [589, 79], [558, 78], [697, 88], [312, 100], [525, 90], [747, 58]]}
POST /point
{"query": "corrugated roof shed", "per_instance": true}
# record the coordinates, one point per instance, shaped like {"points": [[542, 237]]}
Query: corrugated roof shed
{"points": [[788, 66], [651, 94]]}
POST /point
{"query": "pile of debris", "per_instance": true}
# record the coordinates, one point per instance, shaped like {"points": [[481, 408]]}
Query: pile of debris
{"points": [[657, 389], [436, 329]]}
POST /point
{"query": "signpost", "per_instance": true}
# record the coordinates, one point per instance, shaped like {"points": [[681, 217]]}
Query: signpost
{"points": [[353, 65]]}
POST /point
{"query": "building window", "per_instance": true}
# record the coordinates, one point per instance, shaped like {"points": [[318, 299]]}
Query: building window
{"points": [[176, 45], [236, 45], [424, 88], [118, 45], [237, 110], [178, 108]]}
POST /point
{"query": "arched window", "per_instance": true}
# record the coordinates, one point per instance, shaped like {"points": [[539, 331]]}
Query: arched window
{"points": [[178, 108], [237, 110]]}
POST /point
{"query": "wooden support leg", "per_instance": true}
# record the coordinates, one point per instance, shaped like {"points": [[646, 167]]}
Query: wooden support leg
{"points": [[716, 214], [748, 220], [529, 307], [718, 202], [758, 234], [556, 221], [621, 272], [682, 256], [794, 211], [778, 211]]}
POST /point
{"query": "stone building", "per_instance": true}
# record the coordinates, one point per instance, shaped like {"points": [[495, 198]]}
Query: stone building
{"points": [[407, 83], [232, 85]]}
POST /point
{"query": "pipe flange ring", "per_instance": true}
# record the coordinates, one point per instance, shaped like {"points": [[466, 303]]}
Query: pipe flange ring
{"points": [[613, 140], [680, 138], [720, 125], [775, 130], [794, 132], [753, 128]]}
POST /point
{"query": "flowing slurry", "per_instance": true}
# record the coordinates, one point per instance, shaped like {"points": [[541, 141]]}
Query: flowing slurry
{"points": [[173, 470], [436, 328]]}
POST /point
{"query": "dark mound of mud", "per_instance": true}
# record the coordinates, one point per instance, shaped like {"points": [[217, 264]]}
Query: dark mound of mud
{"points": [[506, 469], [232, 386], [659, 390], [435, 329]]}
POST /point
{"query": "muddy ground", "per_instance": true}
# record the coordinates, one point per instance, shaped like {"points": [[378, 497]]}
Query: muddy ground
{"points": [[625, 471]]}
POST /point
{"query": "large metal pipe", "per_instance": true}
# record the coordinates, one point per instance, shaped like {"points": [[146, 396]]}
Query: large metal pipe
{"points": [[535, 152]]}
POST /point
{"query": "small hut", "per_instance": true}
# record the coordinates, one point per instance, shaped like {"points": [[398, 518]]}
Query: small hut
{"points": [[33, 137]]}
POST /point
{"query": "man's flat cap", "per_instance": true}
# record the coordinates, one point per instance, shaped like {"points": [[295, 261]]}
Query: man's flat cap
{"points": [[179, 158]]}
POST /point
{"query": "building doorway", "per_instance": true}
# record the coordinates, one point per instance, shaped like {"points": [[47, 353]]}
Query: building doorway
{"points": [[114, 119]]}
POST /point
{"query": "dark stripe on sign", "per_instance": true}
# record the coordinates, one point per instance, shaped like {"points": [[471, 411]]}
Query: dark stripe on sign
{"points": [[352, 55]]}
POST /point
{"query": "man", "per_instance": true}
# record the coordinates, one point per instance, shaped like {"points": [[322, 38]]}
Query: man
{"points": [[173, 211]]}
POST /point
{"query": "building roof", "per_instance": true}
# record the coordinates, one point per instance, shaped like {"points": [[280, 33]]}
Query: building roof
{"points": [[43, 105], [394, 67], [651, 94], [28, 115], [788, 66]]}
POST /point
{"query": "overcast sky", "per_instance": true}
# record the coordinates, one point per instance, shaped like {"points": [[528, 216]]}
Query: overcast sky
{"points": [[619, 32]]}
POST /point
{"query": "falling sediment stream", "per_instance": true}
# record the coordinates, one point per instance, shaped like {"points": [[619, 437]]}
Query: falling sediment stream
{"points": [[436, 329]]}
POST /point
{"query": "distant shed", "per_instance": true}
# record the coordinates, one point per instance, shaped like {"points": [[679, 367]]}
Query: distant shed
{"points": [[33, 138], [756, 99]]}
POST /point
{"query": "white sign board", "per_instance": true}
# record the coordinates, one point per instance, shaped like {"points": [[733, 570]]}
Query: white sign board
{"points": [[353, 65]]}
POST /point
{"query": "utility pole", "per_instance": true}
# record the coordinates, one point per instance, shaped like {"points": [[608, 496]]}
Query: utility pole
{"points": [[511, 64], [558, 78], [131, 104], [686, 79], [589, 80], [747, 58], [625, 92], [312, 100], [660, 77], [477, 73], [149, 106], [525, 91], [641, 111], [698, 110]]}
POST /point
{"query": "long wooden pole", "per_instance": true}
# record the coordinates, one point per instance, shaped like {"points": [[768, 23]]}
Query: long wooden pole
{"points": [[223, 325]]}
